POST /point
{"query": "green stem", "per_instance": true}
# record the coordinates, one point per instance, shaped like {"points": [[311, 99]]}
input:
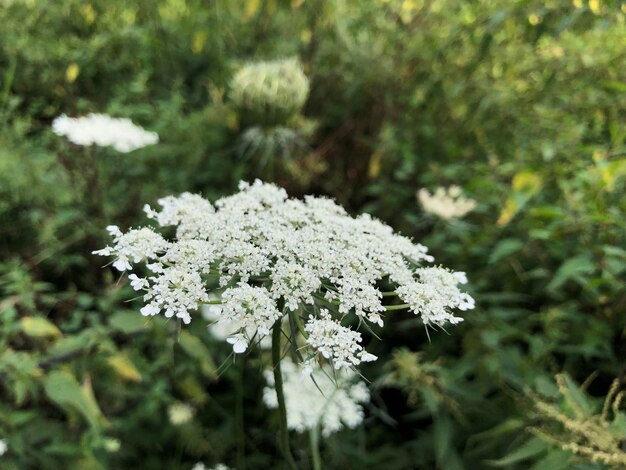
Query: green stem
{"points": [[8, 80], [299, 324], [314, 440], [278, 385], [241, 437], [397, 307]]}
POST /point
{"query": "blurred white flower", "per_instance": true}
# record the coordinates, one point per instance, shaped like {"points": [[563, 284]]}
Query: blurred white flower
{"points": [[446, 203], [111, 445], [3, 446], [104, 131], [315, 399], [180, 413], [201, 466]]}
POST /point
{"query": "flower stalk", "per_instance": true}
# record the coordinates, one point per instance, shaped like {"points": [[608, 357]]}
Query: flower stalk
{"points": [[314, 441], [283, 438]]}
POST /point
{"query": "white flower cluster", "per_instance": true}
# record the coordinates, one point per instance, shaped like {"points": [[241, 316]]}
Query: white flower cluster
{"points": [[274, 257], [104, 131], [229, 331], [3, 447], [318, 399], [135, 245], [180, 413], [446, 203], [201, 466], [336, 342], [435, 294], [250, 307]]}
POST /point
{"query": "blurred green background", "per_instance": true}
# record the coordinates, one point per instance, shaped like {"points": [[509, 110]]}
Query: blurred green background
{"points": [[520, 103]]}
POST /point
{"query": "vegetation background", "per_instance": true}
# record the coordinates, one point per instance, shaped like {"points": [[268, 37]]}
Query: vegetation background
{"points": [[522, 103]]}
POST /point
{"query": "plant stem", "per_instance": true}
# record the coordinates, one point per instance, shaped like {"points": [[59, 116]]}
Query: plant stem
{"points": [[241, 437], [314, 440], [397, 307], [278, 385]]}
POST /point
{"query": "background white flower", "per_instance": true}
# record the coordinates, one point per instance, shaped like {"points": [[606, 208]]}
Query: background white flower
{"points": [[313, 398], [201, 466], [104, 131], [180, 413], [446, 203]]}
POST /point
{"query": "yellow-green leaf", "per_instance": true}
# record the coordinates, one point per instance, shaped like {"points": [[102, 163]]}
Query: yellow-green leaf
{"points": [[524, 186], [251, 8], [72, 72], [198, 42], [527, 182], [124, 368], [39, 327]]}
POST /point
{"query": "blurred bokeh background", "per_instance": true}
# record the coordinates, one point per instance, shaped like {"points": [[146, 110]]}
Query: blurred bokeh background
{"points": [[521, 104]]}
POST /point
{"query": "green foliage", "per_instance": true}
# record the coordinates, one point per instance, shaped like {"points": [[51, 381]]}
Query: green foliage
{"points": [[522, 103]]}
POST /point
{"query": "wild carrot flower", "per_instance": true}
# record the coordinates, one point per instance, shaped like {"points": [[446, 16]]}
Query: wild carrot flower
{"points": [[318, 399], [275, 257], [180, 413], [270, 92], [446, 203], [104, 131]]}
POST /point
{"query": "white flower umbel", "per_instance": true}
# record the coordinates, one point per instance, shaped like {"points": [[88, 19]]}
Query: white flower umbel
{"points": [[274, 257], [104, 131], [134, 245], [336, 342], [3, 447], [223, 330], [175, 292], [180, 413], [319, 398], [436, 294], [253, 309], [446, 203]]}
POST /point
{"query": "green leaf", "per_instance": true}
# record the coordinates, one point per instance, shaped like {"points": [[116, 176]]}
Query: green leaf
{"points": [[128, 322], [506, 427], [575, 398], [531, 448], [618, 426], [572, 269], [83, 340], [442, 437], [505, 248], [555, 460], [39, 327], [63, 389], [195, 348]]}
